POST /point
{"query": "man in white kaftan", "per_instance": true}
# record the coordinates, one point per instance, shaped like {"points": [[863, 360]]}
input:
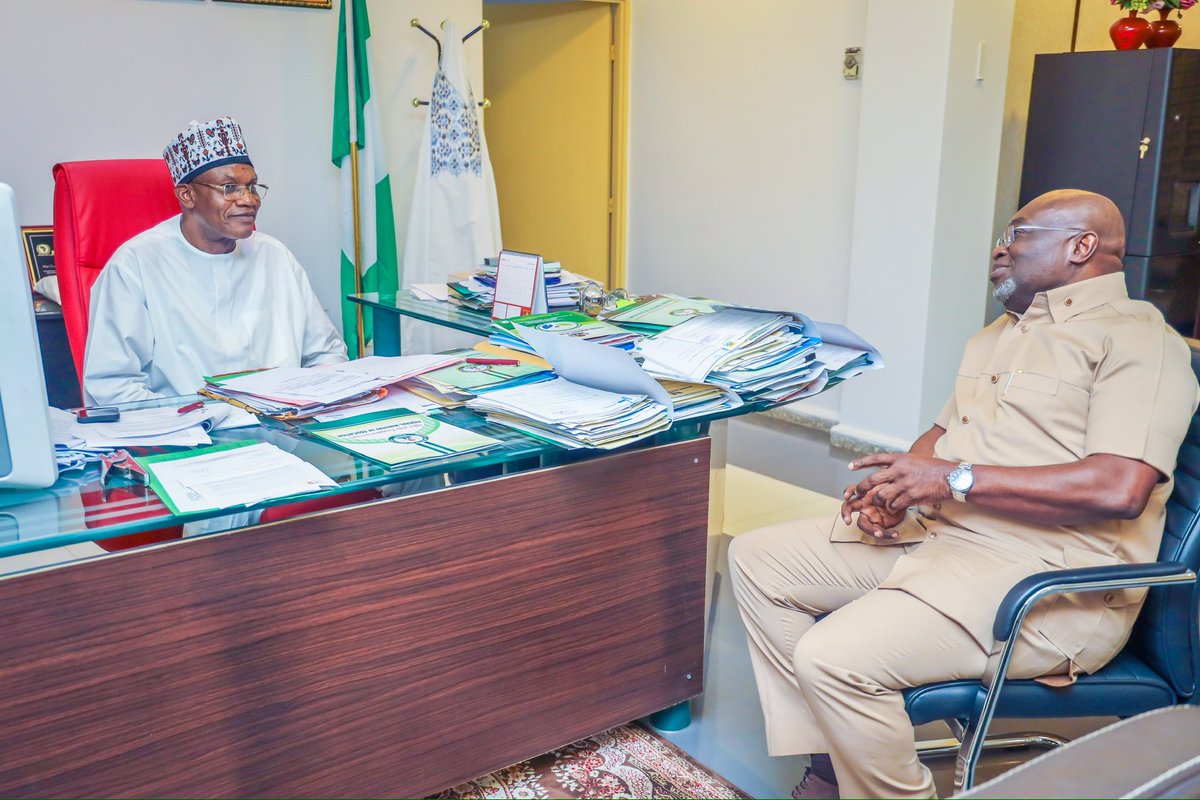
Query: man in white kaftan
{"points": [[165, 314], [202, 293]]}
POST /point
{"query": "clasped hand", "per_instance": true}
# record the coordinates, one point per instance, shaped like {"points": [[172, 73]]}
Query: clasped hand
{"points": [[903, 480]]}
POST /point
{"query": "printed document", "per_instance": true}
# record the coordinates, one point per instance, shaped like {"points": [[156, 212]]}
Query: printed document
{"points": [[229, 476]]}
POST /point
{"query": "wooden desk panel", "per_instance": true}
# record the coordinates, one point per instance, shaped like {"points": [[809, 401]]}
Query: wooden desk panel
{"points": [[394, 648]]}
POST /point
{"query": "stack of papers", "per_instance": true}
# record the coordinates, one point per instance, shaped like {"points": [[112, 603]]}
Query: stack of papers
{"points": [[462, 381], [229, 476], [573, 415], [601, 397], [390, 439], [844, 354], [753, 352], [397, 399], [698, 399], [297, 392], [71, 450], [651, 315], [77, 444], [508, 333], [478, 290]]}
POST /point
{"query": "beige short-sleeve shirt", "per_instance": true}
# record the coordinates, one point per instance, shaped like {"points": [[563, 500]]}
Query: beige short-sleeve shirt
{"points": [[1084, 370]]}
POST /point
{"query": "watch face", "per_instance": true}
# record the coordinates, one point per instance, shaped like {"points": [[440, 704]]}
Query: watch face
{"points": [[960, 479]]}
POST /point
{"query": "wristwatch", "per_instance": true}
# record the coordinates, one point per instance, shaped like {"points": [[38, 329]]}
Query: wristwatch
{"points": [[961, 480]]}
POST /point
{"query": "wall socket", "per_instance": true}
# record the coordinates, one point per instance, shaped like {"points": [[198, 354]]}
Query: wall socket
{"points": [[851, 63]]}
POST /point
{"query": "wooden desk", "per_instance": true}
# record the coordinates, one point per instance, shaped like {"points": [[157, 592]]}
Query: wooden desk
{"points": [[390, 649]]}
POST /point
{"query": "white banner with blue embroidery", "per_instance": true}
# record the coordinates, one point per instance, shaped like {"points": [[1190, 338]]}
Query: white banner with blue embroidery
{"points": [[455, 218]]}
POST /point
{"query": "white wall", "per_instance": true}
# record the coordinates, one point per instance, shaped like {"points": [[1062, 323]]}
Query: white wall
{"points": [[759, 175], [743, 140], [118, 78]]}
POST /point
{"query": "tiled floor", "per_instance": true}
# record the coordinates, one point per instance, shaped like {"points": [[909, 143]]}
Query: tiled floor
{"points": [[726, 733]]}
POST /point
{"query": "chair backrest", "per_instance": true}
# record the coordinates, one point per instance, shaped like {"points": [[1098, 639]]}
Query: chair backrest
{"points": [[1166, 635], [98, 206]]}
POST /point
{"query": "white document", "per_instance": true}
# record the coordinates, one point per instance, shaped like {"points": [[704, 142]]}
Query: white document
{"points": [[225, 417], [555, 401], [520, 285], [142, 422], [194, 436], [690, 350], [834, 356], [302, 385], [430, 291], [64, 427], [236, 477], [840, 335], [389, 369], [396, 398], [595, 365]]}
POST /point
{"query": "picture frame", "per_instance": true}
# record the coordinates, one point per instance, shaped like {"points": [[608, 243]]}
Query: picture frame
{"points": [[301, 3], [39, 251]]}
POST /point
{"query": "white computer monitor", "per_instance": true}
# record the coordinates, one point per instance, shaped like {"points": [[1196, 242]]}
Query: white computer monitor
{"points": [[26, 448]]}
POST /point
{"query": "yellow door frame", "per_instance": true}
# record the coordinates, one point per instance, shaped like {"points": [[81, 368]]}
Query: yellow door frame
{"points": [[619, 147]]}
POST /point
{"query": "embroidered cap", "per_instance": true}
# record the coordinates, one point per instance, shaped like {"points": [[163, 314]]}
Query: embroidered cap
{"points": [[202, 147]]}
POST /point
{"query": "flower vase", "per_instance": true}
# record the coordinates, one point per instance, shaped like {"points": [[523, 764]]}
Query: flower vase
{"points": [[1163, 32], [1129, 33]]}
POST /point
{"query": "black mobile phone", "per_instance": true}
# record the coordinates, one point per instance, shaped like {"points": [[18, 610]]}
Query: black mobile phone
{"points": [[98, 414]]}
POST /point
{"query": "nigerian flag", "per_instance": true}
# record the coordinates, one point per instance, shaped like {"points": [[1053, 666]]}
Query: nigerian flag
{"points": [[377, 225]]}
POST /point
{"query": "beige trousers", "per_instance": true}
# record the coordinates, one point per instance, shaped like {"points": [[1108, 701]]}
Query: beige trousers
{"points": [[834, 686]]}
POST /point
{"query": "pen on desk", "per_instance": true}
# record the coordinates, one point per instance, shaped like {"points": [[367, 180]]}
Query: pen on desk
{"points": [[190, 407], [512, 362]]}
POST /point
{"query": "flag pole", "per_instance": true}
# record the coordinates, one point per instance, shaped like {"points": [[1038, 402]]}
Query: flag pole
{"points": [[352, 83], [358, 308]]}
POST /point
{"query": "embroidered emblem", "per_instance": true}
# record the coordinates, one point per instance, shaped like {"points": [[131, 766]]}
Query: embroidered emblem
{"points": [[453, 131]]}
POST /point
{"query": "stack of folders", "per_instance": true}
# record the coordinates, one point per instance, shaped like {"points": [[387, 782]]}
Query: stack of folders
{"points": [[477, 291], [474, 374], [301, 392], [510, 332], [601, 397], [574, 415], [759, 354], [655, 313], [696, 399]]}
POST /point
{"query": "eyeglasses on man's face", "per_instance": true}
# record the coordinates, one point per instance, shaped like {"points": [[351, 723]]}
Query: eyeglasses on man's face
{"points": [[1013, 231], [235, 191]]}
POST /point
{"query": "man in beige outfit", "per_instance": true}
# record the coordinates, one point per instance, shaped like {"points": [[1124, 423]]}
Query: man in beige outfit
{"points": [[1056, 450]]}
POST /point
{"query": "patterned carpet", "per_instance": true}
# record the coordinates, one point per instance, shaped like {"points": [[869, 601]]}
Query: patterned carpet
{"points": [[629, 761]]}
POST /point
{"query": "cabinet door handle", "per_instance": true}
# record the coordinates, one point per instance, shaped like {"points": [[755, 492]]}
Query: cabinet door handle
{"points": [[1143, 147]]}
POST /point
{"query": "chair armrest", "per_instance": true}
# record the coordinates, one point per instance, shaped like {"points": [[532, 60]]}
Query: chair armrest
{"points": [[1083, 579]]}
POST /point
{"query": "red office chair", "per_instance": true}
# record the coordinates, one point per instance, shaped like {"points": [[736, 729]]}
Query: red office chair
{"points": [[98, 206]]}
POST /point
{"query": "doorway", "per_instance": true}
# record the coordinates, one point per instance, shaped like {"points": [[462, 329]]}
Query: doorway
{"points": [[555, 73]]}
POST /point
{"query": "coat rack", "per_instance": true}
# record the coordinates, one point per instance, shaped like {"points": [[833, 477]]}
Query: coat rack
{"points": [[416, 23]]}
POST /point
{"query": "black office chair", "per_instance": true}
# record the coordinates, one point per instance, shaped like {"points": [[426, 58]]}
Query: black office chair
{"points": [[1158, 667]]}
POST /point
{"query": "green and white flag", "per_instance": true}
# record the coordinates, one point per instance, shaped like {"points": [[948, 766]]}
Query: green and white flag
{"points": [[356, 118]]}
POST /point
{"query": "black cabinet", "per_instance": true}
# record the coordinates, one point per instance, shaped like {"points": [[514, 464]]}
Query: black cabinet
{"points": [[1126, 124]]}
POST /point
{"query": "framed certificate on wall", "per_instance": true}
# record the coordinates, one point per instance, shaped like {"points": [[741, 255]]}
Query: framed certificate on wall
{"points": [[39, 251]]}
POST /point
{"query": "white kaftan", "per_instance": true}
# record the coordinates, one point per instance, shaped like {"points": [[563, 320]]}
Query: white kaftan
{"points": [[454, 222], [165, 314]]}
